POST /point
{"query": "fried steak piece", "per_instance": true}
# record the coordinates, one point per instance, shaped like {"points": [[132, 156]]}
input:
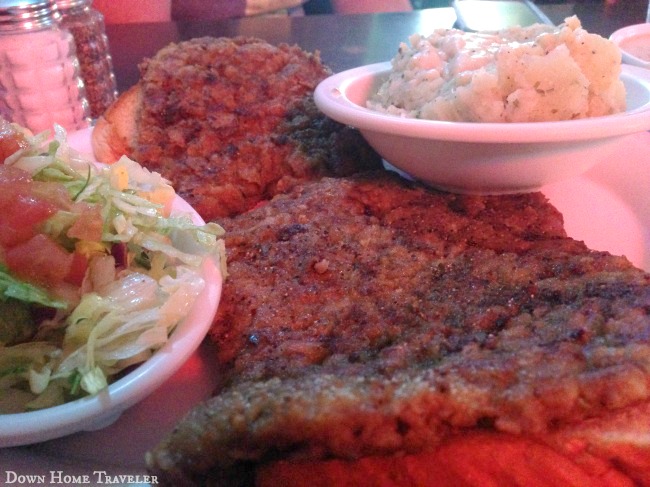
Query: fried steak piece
{"points": [[371, 318], [230, 122]]}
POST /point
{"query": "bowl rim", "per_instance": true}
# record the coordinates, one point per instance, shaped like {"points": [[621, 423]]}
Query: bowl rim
{"points": [[618, 36], [331, 97], [97, 411]]}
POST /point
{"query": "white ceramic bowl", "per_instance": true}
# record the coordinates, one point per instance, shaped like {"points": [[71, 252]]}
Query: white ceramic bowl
{"points": [[95, 412], [638, 34], [483, 158]]}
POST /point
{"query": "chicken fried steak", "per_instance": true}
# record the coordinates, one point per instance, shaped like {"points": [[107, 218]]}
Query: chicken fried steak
{"points": [[232, 122], [370, 317]]}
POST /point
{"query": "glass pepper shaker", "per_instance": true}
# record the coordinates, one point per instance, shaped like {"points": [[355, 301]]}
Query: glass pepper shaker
{"points": [[89, 31], [40, 82]]}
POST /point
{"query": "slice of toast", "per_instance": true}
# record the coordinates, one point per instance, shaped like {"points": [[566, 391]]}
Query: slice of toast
{"points": [[115, 131]]}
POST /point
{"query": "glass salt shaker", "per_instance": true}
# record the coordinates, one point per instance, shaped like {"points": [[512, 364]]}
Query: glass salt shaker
{"points": [[40, 83], [89, 31]]}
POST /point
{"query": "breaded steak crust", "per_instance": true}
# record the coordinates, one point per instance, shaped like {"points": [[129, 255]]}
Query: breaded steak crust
{"points": [[369, 315], [232, 122]]}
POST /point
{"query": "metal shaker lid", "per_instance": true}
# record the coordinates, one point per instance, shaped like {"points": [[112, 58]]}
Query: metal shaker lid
{"points": [[26, 15], [65, 4]]}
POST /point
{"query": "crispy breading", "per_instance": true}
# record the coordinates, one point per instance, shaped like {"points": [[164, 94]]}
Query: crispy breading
{"points": [[232, 122], [370, 316]]}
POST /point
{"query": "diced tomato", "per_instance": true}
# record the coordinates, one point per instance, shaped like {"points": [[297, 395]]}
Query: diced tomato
{"points": [[19, 219], [88, 225], [40, 260], [34, 257], [10, 174], [10, 141], [78, 268], [24, 204]]}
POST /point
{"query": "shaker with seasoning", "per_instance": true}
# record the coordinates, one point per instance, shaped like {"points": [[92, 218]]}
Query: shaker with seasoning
{"points": [[40, 82], [87, 27]]}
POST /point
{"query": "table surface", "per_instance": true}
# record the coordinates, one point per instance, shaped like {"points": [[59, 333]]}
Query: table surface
{"points": [[344, 41]]}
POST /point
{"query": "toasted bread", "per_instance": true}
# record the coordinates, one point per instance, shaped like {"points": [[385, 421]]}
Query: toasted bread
{"points": [[115, 132]]}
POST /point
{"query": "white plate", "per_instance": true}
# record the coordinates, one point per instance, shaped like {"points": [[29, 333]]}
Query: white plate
{"points": [[608, 207], [95, 412]]}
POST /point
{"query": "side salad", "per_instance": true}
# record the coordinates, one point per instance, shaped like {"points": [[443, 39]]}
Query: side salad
{"points": [[95, 270]]}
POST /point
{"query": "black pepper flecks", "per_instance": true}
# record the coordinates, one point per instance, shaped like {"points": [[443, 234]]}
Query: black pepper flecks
{"points": [[87, 27]]}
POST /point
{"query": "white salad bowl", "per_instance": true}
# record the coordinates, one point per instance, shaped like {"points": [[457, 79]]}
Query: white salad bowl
{"points": [[483, 158], [94, 412], [98, 411]]}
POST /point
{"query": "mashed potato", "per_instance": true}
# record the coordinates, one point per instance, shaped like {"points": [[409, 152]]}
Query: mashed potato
{"points": [[538, 73]]}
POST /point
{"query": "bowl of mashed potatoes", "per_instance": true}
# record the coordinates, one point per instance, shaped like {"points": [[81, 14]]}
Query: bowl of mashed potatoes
{"points": [[496, 112]]}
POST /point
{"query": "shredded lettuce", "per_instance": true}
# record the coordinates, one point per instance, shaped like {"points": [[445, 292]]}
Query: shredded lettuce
{"points": [[127, 305], [10, 287]]}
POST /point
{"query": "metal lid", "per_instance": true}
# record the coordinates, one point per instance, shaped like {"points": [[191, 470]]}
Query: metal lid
{"points": [[22, 15], [66, 4]]}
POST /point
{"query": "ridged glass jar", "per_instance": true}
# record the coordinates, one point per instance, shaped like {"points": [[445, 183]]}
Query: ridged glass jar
{"points": [[40, 82], [89, 31]]}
